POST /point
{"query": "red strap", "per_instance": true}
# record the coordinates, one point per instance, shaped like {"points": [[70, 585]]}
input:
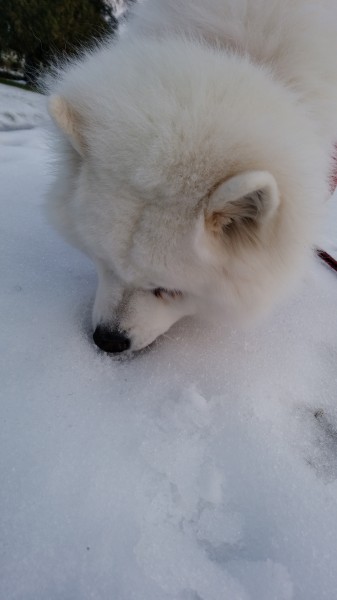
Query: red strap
{"points": [[328, 259]]}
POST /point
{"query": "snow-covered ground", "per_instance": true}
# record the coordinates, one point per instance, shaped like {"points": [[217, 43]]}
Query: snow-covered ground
{"points": [[18, 110], [202, 469]]}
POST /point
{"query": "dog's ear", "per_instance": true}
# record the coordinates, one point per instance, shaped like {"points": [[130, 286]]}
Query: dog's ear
{"points": [[68, 120], [242, 202]]}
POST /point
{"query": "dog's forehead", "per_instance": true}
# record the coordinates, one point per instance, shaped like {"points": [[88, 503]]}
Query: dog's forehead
{"points": [[163, 232], [156, 161], [149, 244]]}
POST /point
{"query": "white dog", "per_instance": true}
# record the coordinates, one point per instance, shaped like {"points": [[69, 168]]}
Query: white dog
{"points": [[194, 158]]}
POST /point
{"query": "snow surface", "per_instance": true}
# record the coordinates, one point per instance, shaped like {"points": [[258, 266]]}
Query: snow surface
{"points": [[202, 469], [16, 113]]}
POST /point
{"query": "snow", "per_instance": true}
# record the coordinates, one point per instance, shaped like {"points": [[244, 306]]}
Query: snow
{"points": [[16, 114], [202, 469]]}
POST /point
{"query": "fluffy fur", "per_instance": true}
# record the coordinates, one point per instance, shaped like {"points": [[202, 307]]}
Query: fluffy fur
{"points": [[194, 155]]}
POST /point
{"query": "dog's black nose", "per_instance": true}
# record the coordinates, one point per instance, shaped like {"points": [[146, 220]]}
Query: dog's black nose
{"points": [[110, 341]]}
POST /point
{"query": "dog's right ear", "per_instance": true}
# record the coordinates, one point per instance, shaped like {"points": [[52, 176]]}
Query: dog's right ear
{"points": [[242, 202], [68, 120]]}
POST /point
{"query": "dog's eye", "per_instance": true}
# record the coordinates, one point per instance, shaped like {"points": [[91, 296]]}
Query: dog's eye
{"points": [[163, 293]]}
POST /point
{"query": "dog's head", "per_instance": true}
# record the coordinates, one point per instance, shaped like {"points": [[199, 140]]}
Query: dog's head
{"points": [[191, 185]]}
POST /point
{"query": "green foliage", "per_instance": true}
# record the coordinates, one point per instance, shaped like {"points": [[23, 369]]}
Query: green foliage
{"points": [[22, 86], [39, 30]]}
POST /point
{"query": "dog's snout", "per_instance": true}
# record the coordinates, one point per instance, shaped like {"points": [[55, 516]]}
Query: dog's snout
{"points": [[110, 341]]}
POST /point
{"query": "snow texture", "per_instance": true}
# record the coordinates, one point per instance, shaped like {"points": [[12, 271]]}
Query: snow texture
{"points": [[202, 469], [16, 114]]}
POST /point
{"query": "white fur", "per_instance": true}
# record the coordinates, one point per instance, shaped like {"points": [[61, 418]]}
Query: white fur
{"points": [[194, 155]]}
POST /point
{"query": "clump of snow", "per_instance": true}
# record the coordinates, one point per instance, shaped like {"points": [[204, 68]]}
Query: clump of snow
{"points": [[201, 469], [18, 111]]}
